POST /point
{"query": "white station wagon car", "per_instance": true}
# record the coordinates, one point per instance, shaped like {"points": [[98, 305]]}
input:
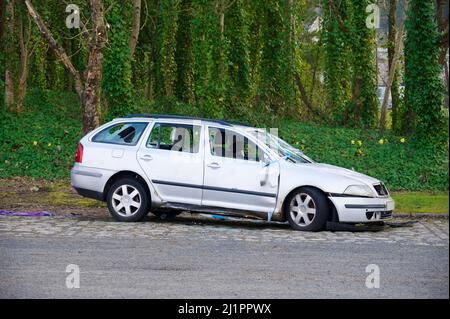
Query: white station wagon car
{"points": [[167, 164]]}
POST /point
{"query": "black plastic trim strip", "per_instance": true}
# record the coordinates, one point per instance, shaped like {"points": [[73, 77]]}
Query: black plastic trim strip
{"points": [[218, 189], [348, 195], [90, 193], [176, 184], [365, 206]]}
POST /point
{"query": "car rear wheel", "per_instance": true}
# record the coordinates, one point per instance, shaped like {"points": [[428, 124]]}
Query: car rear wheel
{"points": [[307, 209], [127, 200]]}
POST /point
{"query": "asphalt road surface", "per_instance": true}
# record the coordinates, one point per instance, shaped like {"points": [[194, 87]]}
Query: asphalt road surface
{"points": [[189, 258]]}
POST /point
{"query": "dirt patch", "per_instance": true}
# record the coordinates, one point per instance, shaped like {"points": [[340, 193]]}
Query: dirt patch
{"points": [[57, 197]]}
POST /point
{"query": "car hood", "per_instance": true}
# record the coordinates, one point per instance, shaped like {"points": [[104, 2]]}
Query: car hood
{"points": [[344, 172]]}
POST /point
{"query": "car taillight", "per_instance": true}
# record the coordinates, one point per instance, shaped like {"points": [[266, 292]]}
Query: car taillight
{"points": [[79, 154]]}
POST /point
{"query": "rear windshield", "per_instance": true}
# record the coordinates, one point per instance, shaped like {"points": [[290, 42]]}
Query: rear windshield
{"points": [[121, 133]]}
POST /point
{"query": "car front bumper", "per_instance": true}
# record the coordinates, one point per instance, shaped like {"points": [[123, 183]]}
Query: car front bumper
{"points": [[363, 210]]}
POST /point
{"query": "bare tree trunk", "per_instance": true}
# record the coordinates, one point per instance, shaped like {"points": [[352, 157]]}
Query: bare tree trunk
{"points": [[356, 98], [220, 5], [91, 93], [442, 22], [68, 78], [9, 75], [391, 49], [9, 89], [446, 71], [222, 18], [314, 73], [136, 24], [2, 20], [398, 48], [446, 79], [149, 82], [23, 43], [93, 74]]}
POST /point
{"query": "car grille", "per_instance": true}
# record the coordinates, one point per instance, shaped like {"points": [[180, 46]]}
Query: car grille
{"points": [[381, 189]]}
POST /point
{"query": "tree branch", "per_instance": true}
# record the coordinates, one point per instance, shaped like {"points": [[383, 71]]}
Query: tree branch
{"points": [[338, 16], [60, 52], [304, 97]]}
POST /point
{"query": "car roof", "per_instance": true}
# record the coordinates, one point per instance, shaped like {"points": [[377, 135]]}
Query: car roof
{"points": [[182, 117]]}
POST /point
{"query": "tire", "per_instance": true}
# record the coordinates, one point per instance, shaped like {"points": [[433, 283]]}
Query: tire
{"points": [[311, 214], [132, 208]]}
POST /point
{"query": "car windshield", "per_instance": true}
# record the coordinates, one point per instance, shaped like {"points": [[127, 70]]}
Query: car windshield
{"points": [[282, 148]]}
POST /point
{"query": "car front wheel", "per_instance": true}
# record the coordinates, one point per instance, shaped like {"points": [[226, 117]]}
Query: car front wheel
{"points": [[127, 200], [307, 209]]}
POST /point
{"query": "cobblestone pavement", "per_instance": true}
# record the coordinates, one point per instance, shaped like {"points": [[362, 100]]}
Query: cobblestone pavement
{"points": [[195, 257], [424, 232]]}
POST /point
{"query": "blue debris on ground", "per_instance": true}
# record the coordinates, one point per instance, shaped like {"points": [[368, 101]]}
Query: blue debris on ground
{"points": [[28, 214]]}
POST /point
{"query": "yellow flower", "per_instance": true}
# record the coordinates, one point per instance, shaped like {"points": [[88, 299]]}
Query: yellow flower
{"points": [[353, 142], [402, 140], [49, 144], [34, 143], [381, 141], [221, 99], [359, 142]]}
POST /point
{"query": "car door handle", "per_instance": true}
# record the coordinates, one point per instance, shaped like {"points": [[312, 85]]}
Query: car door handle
{"points": [[146, 158], [213, 165]]}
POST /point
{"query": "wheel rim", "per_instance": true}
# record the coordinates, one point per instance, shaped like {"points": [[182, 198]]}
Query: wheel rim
{"points": [[302, 209], [126, 200]]}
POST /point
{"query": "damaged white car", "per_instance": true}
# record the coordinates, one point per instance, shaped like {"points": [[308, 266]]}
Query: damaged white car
{"points": [[168, 164]]}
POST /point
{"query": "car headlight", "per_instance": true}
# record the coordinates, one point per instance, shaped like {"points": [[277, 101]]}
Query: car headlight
{"points": [[359, 190]]}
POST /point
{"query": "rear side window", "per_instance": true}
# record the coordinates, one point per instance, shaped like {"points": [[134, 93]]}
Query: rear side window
{"points": [[121, 133], [175, 137]]}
